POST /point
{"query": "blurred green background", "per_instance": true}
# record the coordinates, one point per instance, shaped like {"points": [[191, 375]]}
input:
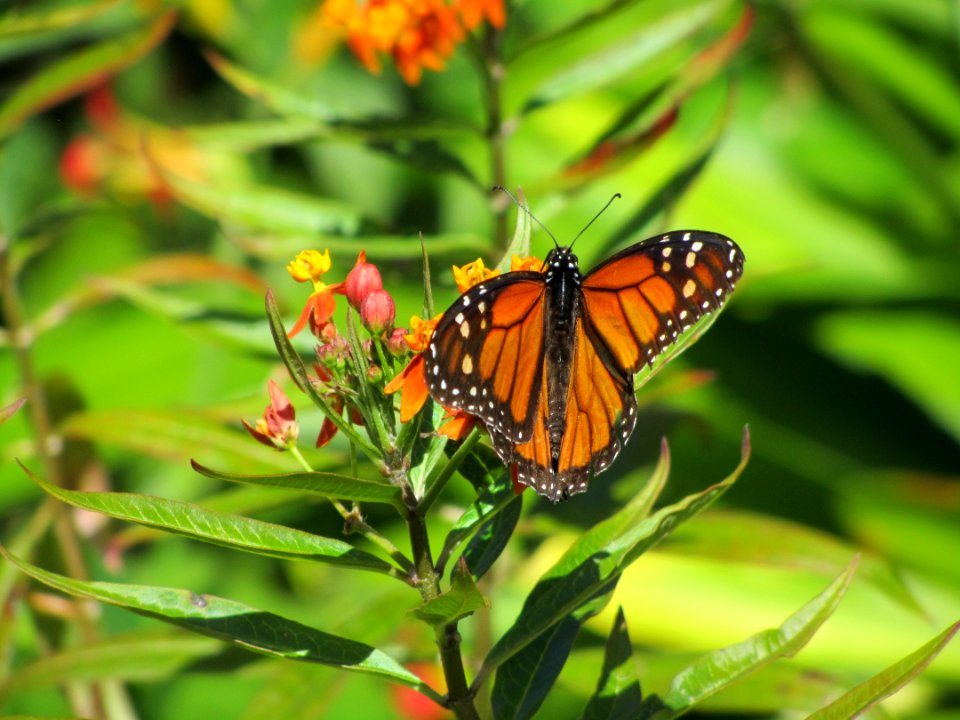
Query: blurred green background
{"points": [[161, 162]]}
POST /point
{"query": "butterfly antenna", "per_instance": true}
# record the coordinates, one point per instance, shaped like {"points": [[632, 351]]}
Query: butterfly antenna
{"points": [[616, 196], [533, 217]]}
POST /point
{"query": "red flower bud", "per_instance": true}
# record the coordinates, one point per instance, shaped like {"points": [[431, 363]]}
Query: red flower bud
{"points": [[278, 427], [378, 311], [363, 280]]}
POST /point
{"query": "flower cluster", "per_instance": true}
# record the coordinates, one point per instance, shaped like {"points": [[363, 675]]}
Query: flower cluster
{"points": [[417, 34], [388, 360]]}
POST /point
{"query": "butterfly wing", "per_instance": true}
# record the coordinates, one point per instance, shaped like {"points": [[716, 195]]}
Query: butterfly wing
{"points": [[640, 301], [600, 415], [486, 354]]}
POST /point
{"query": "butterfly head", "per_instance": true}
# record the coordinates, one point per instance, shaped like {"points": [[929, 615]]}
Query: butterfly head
{"points": [[561, 261]]}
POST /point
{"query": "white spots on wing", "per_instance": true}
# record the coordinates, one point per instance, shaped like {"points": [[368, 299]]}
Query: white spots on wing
{"points": [[729, 274], [691, 259], [733, 254], [443, 384], [466, 301], [465, 330], [666, 252], [433, 350], [683, 314], [483, 291], [686, 238], [467, 364], [705, 305], [697, 246], [482, 307], [458, 319], [455, 391], [719, 292], [483, 323], [666, 267], [689, 288], [473, 391], [436, 369]]}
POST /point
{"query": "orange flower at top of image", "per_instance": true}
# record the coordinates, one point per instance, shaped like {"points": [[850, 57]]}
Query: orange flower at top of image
{"points": [[417, 34]]}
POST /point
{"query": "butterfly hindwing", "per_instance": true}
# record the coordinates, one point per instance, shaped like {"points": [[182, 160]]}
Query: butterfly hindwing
{"points": [[486, 354], [642, 299]]}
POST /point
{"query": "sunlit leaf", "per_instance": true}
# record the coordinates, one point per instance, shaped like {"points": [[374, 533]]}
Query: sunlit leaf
{"points": [[232, 622], [596, 560], [330, 485], [723, 667], [615, 60], [140, 657], [81, 71], [869, 693], [232, 531]]}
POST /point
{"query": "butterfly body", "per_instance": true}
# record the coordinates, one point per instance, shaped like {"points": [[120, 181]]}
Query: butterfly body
{"points": [[546, 360]]}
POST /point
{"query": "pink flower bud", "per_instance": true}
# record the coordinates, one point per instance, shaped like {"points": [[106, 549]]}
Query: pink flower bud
{"points": [[362, 280], [378, 311], [396, 343]]}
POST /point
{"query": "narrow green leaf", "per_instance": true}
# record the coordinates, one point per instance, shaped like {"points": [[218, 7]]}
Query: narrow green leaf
{"points": [[492, 537], [595, 561], [298, 373], [233, 622], [520, 242], [525, 680], [495, 491], [331, 485], [234, 531], [618, 692], [79, 72], [266, 208], [867, 694], [462, 599], [428, 447], [723, 667], [618, 59], [273, 245], [14, 24], [139, 657]]}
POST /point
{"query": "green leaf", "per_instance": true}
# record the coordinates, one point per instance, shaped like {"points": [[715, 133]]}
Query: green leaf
{"points": [[265, 208], [79, 72], [616, 60], [524, 681], [723, 667], [428, 447], [618, 692], [589, 568], [462, 599], [492, 537], [139, 657], [520, 242], [867, 694], [486, 472], [233, 622], [18, 23], [233, 531], [331, 485]]}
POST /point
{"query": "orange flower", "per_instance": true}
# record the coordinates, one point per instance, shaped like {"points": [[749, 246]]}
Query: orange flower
{"points": [[458, 425], [278, 427], [310, 265], [411, 381], [473, 12], [529, 263], [417, 34], [472, 274]]}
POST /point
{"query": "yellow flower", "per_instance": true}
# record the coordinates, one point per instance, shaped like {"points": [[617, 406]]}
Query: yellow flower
{"points": [[472, 274], [529, 263], [420, 332], [309, 265]]}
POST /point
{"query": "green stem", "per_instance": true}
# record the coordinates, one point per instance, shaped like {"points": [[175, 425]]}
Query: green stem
{"points": [[459, 697], [493, 73], [354, 522]]}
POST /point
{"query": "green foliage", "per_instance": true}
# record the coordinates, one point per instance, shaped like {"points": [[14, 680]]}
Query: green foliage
{"points": [[151, 191]]}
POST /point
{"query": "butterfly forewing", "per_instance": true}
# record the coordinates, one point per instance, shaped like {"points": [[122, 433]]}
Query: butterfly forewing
{"points": [[642, 299], [486, 354]]}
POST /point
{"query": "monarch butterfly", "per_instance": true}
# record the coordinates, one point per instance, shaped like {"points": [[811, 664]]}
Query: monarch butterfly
{"points": [[546, 359]]}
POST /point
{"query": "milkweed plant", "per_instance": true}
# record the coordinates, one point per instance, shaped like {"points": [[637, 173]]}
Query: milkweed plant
{"points": [[357, 358]]}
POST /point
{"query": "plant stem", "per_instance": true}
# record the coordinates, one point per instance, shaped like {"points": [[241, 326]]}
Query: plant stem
{"points": [[493, 72], [459, 698], [354, 521]]}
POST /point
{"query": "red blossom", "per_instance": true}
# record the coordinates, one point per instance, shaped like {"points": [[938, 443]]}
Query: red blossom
{"points": [[278, 427]]}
